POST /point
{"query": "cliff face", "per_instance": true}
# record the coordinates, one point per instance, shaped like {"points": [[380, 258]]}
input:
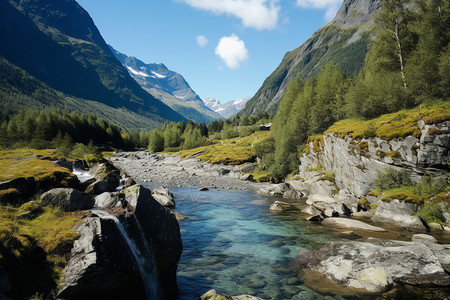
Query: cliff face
{"points": [[357, 163]]}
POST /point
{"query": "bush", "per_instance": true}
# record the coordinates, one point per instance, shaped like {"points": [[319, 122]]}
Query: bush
{"points": [[391, 178], [432, 212]]}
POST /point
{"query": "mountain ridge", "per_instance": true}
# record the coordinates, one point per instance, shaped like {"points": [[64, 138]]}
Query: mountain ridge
{"points": [[168, 86], [69, 55], [227, 109], [345, 41]]}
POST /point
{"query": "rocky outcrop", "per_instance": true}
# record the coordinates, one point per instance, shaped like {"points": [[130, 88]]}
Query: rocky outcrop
{"points": [[377, 265], [350, 223], [68, 199], [107, 260], [101, 265], [356, 163], [398, 213], [279, 206]]}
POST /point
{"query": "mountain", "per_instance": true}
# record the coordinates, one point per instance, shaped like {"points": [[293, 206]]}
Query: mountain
{"points": [[56, 44], [344, 41], [169, 87], [228, 109]]}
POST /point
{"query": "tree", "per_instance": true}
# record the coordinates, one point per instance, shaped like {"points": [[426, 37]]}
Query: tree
{"points": [[156, 141]]}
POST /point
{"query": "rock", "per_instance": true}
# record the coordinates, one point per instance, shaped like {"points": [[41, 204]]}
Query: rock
{"points": [[435, 226], [17, 191], [377, 264], [101, 265], [330, 212], [179, 216], [107, 179], [279, 206], [203, 189], [311, 210], [248, 168], [161, 229], [398, 213], [424, 238], [247, 177], [68, 199], [350, 223], [107, 199], [214, 295], [315, 218], [164, 197], [293, 194]]}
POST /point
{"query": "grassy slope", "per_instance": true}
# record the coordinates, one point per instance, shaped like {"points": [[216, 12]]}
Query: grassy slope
{"points": [[234, 151]]}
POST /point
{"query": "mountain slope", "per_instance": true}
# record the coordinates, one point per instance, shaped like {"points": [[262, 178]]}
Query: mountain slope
{"points": [[228, 109], [58, 44], [344, 41], [169, 87]]}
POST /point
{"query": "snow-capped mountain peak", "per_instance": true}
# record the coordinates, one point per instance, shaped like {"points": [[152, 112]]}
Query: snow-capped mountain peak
{"points": [[228, 109]]}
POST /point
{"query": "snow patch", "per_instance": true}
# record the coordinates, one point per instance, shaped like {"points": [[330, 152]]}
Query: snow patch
{"points": [[158, 75], [137, 73]]}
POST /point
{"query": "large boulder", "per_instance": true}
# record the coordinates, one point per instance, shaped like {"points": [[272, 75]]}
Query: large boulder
{"points": [[378, 264], [398, 213], [101, 265], [350, 224], [68, 199], [161, 229], [214, 295]]}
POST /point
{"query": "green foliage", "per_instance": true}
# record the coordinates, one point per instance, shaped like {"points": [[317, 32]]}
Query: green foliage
{"points": [[391, 178], [432, 211], [156, 142]]}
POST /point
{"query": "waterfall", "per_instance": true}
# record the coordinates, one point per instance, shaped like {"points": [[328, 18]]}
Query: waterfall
{"points": [[82, 174], [147, 269]]}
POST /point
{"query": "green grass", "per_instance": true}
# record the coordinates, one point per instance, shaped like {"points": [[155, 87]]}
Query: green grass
{"points": [[31, 225], [393, 126], [405, 194], [235, 151]]}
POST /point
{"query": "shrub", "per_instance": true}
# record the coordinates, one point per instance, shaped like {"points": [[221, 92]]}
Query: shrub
{"points": [[391, 178], [432, 212]]}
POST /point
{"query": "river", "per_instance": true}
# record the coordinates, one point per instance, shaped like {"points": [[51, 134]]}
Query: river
{"points": [[233, 243]]}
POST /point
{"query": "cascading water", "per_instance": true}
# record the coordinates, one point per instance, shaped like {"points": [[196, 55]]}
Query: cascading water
{"points": [[147, 268], [82, 174]]}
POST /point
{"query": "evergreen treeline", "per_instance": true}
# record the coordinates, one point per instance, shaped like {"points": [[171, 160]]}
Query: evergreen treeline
{"points": [[54, 127], [408, 63]]}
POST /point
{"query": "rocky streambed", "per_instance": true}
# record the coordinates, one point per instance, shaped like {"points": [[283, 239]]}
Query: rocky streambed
{"points": [[370, 255]]}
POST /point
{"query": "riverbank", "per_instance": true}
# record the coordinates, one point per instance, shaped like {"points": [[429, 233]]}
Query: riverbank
{"points": [[173, 171]]}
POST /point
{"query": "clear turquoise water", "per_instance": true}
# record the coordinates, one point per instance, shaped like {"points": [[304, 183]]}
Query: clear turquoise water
{"points": [[233, 243]]}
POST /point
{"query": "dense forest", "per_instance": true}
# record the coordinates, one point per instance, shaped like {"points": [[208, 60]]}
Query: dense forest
{"points": [[408, 64]]}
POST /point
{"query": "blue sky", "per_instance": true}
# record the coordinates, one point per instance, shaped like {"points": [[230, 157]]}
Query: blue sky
{"points": [[223, 48]]}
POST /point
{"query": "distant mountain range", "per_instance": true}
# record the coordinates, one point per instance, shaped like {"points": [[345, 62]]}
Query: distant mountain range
{"points": [[52, 54], [344, 41], [169, 87], [227, 109]]}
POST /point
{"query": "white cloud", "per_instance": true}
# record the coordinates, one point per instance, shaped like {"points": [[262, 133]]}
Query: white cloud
{"points": [[330, 6], [259, 14], [232, 51], [202, 41]]}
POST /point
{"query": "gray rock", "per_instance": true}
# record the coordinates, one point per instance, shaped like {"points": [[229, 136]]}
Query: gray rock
{"points": [[203, 189], [311, 210], [101, 265], [179, 216], [279, 206], [398, 213], [107, 179], [214, 295], [424, 238], [377, 264], [68, 199], [107, 199], [248, 168], [163, 196], [330, 212], [350, 223]]}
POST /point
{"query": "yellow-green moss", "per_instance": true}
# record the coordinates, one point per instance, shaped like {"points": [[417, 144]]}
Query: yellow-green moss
{"points": [[317, 142], [234, 151], [316, 169], [390, 154], [395, 125], [374, 193], [363, 146], [405, 194]]}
